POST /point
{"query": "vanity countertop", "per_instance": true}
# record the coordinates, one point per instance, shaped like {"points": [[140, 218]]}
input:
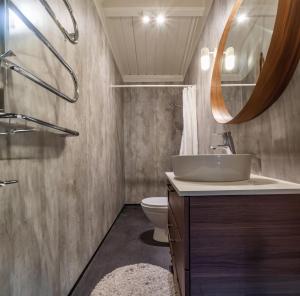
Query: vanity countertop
{"points": [[257, 185]]}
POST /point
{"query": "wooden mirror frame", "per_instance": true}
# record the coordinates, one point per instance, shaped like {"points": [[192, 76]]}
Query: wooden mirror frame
{"points": [[280, 64]]}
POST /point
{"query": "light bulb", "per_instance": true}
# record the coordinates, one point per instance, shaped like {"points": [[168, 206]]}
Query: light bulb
{"points": [[229, 59], [205, 59], [160, 19], [242, 18], [146, 19]]}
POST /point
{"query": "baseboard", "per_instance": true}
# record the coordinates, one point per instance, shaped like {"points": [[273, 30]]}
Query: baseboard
{"points": [[94, 254]]}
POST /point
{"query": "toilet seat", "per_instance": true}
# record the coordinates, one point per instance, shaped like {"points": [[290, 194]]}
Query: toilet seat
{"points": [[155, 202]]}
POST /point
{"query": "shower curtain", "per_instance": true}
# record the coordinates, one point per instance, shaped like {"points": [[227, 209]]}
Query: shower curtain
{"points": [[189, 141]]}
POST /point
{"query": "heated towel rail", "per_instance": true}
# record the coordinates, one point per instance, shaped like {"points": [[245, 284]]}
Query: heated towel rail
{"points": [[9, 128], [5, 62], [72, 37]]}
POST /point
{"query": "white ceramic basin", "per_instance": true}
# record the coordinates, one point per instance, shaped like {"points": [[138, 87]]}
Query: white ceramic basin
{"points": [[212, 167]]}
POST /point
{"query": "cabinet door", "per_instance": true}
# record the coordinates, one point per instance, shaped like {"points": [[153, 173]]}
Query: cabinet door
{"points": [[245, 245]]}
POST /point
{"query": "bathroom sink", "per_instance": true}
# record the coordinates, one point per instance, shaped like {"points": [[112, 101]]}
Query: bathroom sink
{"points": [[212, 167]]}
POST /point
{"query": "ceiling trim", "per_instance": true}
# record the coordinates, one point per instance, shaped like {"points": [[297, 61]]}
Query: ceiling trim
{"points": [[170, 11], [189, 57], [153, 78], [101, 15]]}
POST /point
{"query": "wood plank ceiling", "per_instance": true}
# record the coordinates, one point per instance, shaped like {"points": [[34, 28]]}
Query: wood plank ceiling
{"points": [[149, 52]]}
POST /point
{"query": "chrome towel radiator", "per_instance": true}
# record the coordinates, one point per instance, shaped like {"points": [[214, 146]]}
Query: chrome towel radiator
{"points": [[5, 62], [29, 124]]}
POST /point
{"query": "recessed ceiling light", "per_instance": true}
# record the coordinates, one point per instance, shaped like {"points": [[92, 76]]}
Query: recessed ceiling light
{"points": [[146, 19], [160, 19], [242, 18]]}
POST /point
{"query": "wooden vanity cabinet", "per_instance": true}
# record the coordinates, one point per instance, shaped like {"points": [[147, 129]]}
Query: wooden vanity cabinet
{"points": [[235, 245]]}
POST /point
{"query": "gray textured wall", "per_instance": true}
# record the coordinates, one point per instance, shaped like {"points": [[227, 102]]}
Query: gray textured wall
{"points": [[273, 137], [152, 133], [70, 190]]}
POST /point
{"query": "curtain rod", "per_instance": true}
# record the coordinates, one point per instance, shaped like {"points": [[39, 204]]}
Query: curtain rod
{"points": [[149, 85]]}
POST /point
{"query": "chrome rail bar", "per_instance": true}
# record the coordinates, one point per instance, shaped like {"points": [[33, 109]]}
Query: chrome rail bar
{"points": [[12, 66], [10, 182], [26, 73], [72, 37], [17, 131], [36, 121]]}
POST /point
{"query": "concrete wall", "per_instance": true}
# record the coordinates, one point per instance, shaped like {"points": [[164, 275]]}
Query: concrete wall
{"points": [[152, 133], [70, 189]]}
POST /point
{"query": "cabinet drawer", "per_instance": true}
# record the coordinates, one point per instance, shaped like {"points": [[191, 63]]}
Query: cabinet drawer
{"points": [[178, 220], [177, 205], [178, 254]]}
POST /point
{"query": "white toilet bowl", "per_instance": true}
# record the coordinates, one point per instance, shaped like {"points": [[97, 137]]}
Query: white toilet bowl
{"points": [[156, 210]]}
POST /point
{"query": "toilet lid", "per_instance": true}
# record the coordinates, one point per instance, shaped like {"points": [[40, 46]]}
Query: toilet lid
{"points": [[159, 202]]}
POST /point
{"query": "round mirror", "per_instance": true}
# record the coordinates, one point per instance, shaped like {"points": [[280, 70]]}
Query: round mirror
{"points": [[257, 55], [245, 51]]}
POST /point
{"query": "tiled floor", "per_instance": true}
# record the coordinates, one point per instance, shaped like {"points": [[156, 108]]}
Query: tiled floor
{"points": [[128, 242]]}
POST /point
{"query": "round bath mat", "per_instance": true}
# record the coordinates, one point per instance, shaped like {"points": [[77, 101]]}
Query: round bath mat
{"points": [[136, 280]]}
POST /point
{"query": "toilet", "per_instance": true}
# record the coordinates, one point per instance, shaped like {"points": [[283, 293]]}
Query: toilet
{"points": [[156, 210]]}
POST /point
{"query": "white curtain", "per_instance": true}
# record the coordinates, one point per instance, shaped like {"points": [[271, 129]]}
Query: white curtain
{"points": [[189, 141]]}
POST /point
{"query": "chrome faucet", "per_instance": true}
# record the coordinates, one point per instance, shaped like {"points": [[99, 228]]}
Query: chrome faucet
{"points": [[227, 144]]}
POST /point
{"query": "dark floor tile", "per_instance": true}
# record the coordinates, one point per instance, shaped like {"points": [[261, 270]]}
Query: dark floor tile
{"points": [[129, 242]]}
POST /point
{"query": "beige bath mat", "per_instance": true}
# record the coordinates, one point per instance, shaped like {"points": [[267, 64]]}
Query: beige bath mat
{"points": [[136, 280]]}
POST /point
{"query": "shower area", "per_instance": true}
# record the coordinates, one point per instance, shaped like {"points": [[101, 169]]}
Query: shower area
{"points": [[153, 126]]}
